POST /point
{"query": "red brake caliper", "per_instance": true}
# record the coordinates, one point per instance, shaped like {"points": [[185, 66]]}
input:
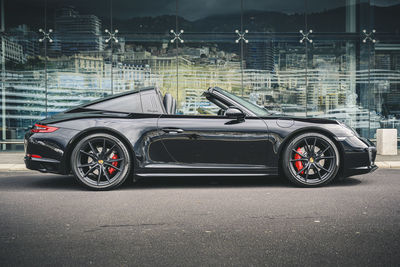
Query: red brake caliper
{"points": [[115, 164], [298, 164]]}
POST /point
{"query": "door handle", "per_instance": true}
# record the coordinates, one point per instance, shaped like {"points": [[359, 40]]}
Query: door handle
{"points": [[194, 136], [172, 130]]}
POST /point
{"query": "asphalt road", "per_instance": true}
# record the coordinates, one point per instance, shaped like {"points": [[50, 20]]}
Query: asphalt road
{"points": [[51, 220]]}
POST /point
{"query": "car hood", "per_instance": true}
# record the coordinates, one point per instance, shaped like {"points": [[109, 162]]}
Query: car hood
{"points": [[304, 119]]}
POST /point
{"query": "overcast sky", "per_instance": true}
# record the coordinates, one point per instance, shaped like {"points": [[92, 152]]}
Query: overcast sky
{"points": [[192, 9]]}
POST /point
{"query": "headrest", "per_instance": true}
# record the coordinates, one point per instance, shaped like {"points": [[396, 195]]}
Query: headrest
{"points": [[168, 103]]}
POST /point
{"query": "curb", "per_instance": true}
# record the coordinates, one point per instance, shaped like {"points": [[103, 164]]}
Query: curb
{"points": [[21, 167], [388, 164], [13, 167]]}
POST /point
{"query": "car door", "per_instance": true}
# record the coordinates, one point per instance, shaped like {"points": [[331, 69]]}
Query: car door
{"points": [[215, 141], [149, 148]]}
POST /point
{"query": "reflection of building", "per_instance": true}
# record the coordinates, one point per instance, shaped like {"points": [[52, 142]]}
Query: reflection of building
{"points": [[12, 50], [137, 57], [260, 56], [78, 63], [27, 39], [129, 77], [75, 32], [25, 93], [387, 61], [194, 52], [356, 117], [25, 101], [318, 82], [196, 104]]}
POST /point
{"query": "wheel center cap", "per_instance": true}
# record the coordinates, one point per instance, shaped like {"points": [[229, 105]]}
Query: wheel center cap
{"points": [[311, 160], [100, 161]]}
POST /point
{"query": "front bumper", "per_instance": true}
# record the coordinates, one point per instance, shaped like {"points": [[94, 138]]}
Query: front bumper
{"points": [[360, 160]]}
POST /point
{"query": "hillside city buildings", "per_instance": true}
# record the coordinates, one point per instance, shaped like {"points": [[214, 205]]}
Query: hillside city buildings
{"points": [[74, 64]]}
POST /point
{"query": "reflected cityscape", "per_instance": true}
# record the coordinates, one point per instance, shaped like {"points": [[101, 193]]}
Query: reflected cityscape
{"points": [[340, 72]]}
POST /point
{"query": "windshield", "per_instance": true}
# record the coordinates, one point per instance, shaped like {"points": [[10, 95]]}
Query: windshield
{"points": [[258, 111]]}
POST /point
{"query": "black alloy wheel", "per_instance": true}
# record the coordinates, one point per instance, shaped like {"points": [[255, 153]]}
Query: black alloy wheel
{"points": [[100, 162], [311, 159]]}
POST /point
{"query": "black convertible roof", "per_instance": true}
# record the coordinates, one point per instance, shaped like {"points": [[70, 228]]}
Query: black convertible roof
{"points": [[118, 95], [108, 98]]}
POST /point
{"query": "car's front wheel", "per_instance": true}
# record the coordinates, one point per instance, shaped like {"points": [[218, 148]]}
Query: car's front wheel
{"points": [[100, 162], [311, 159]]}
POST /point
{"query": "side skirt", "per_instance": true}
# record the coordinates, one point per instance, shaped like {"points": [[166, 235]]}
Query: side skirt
{"points": [[198, 174], [176, 169]]}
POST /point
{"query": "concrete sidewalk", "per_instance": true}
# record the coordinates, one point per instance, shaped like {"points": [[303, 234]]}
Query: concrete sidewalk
{"points": [[14, 161]]}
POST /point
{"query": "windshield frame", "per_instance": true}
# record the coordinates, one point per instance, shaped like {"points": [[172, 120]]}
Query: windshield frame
{"points": [[252, 108]]}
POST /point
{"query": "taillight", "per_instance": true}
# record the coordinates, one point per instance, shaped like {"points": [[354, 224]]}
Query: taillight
{"points": [[37, 128], [33, 156]]}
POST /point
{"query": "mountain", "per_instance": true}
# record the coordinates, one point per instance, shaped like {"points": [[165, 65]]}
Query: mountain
{"points": [[332, 20]]}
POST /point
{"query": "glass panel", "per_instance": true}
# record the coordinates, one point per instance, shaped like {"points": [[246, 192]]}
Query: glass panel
{"points": [[23, 70], [139, 63], [79, 64], [348, 76], [206, 62], [385, 81], [337, 89], [143, 56], [144, 16], [385, 65], [274, 16], [386, 16], [274, 75], [330, 16], [209, 16]]}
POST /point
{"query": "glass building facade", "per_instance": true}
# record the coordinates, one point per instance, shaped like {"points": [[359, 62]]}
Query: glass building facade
{"points": [[317, 58]]}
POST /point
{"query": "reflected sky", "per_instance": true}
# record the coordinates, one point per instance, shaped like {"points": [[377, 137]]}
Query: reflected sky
{"points": [[189, 9]]}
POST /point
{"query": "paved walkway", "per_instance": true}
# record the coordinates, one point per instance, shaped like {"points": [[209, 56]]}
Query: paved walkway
{"points": [[14, 161]]}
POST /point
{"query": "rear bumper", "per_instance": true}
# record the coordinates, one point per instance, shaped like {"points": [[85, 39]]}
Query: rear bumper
{"points": [[42, 164], [45, 151]]}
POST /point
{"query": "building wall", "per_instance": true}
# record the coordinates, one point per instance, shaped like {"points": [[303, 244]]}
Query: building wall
{"points": [[331, 59]]}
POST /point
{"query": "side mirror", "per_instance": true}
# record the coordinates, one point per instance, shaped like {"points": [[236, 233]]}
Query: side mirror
{"points": [[235, 114]]}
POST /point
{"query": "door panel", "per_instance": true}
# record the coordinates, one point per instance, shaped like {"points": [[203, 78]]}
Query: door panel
{"points": [[147, 145], [215, 140]]}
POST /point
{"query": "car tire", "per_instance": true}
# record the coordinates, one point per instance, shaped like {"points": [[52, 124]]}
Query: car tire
{"points": [[100, 162], [310, 160]]}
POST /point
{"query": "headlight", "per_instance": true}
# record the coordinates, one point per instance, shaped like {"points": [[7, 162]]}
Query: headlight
{"points": [[349, 128]]}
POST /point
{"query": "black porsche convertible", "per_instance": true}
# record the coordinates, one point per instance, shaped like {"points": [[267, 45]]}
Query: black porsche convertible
{"points": [[139, 134]]}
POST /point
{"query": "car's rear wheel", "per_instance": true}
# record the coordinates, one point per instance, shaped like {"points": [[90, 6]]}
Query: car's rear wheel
{"points": [[311, 159], [100, 162]]}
